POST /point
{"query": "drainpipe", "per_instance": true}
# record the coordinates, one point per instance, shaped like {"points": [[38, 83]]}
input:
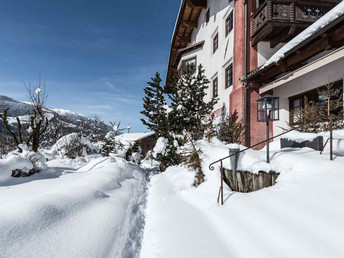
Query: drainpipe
{"points": [[247, 142]]}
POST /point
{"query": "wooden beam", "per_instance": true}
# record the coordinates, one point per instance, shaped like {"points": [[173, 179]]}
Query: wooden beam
{"points": [[197, 3], [185, 39], [316, 47], [189, 24]]}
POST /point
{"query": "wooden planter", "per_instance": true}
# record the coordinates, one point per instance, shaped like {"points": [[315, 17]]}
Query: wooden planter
{"points": [[248, 182]]}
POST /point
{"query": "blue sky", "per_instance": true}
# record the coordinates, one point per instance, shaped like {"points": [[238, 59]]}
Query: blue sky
{"points": [[94, 55]]}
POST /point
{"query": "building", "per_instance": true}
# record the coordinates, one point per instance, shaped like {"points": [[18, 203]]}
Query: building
{"points": [[304, 65], [204, 35], [146, 141], [237, 43]]}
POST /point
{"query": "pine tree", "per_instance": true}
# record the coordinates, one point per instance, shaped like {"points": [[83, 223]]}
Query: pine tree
{"points": [[154, 105], [231, 130], [188, 106]]}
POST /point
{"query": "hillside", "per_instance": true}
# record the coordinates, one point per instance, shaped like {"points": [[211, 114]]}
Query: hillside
{"points": [[62, 121]]}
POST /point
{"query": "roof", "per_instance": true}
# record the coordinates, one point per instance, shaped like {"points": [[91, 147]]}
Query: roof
{"points": [[329, 17], [314, 31], [187, 21], [133, 137]]}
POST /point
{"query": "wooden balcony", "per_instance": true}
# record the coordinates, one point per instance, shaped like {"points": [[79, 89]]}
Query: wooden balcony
{"points": [[277, 21]]}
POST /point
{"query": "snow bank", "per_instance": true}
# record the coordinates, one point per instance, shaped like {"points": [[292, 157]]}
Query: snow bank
{"points": [[329, 17], [89, 212], [299, 217], [338, 140], [12, 163]]}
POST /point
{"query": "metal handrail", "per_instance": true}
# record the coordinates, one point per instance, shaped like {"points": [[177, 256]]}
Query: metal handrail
{"points": [[211, 166]]}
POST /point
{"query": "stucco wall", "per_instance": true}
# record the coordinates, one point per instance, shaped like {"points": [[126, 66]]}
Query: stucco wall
{"points": [[214, 64], [312, 80]]}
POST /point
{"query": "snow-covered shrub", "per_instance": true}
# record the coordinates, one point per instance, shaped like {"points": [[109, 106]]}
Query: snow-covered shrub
{"points": [[73, 145], [166, 152], [21, 164], [111, 145]]}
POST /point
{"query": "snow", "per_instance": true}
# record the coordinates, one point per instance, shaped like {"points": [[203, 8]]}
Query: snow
{"points": [[160, 146], [133, 137], [71, 211], [38, 91], [64, 112], [329, 17], [98, 206], [300, 216]]}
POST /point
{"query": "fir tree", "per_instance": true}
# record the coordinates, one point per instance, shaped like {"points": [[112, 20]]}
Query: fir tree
{"points": [[154, 105], [231, 130], [188, 106]]}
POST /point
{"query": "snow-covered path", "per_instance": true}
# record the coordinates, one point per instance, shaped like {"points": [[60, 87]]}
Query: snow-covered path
{"points": [[175, 228], [90, 212]]}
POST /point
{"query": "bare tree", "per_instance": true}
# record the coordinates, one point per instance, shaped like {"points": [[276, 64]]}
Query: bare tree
{"points": [[38, 121]]}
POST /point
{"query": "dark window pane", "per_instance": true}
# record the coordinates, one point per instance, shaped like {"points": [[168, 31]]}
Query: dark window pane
{"points": [[215, 43], [229, 23], [229, 76], [215, 87]]}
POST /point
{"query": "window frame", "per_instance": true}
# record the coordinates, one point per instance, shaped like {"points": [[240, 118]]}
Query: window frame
{"points": [[312, 95], [228, 68], [183, 66], [215, 42], [216, 87], [227, 30]]}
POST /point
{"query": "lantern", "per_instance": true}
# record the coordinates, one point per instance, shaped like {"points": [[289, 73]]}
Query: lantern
{"points": [[268, 111]]}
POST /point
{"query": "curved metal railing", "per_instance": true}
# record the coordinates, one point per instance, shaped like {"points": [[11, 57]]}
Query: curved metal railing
{"points": [[211, 166]]}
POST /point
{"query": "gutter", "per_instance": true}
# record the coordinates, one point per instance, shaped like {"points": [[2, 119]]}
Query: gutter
{"points": [[247, 142]]}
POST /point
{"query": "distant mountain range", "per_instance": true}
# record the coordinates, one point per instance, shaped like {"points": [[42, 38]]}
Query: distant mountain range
{"points": [[17, 108], [23, 109]]}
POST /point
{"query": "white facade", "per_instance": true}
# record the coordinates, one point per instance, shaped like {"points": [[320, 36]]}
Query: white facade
{"points": [[216, 63], [332, 71]]}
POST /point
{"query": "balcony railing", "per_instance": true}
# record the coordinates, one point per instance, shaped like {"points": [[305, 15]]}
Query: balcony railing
{"points": [[274, 16]]}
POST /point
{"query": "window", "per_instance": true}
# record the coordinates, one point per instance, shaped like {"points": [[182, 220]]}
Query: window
{"points": [[229, 76], [215, 87], [229, 23], [207, 16], [191, 61], [298, 102], [215, 42]]}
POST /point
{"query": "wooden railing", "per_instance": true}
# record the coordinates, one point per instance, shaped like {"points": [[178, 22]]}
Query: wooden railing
{"points": [[286, 11]]}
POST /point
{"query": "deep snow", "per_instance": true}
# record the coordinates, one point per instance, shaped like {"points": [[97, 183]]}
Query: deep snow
{"points": [[301, 216], [85, 209]]}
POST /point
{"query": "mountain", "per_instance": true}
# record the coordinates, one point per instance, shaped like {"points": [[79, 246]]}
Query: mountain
{"points": [[65, 121]]}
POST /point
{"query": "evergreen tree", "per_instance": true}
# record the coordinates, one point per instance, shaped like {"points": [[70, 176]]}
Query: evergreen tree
{"points": [[188, 106], [231, 130], [154, 105]]}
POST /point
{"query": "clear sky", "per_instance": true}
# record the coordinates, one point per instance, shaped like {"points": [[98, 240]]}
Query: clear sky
{"points": [[94, 55]]}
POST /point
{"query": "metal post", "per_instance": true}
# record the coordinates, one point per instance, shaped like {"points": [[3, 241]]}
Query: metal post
{"points": [[221, 183], [331, 138], [267, 143]]}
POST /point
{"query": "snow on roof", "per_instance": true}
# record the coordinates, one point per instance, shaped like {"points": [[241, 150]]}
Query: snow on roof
{"points": [[133, 137], [329, 17]]}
